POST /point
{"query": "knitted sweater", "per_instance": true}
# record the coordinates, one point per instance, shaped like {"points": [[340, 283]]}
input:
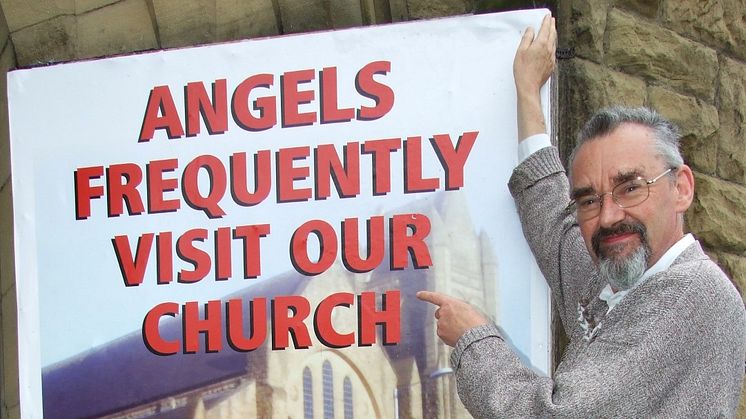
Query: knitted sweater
{"points": [[675, 346]]}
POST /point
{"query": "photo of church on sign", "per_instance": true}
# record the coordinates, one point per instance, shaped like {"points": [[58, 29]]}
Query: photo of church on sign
{"points": [[411, 379]]}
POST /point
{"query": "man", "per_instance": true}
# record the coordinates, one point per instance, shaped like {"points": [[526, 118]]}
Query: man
{"points": [[656, 329]]}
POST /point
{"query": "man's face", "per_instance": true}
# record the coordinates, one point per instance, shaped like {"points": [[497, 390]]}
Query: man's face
{"points": [[641, 233]]}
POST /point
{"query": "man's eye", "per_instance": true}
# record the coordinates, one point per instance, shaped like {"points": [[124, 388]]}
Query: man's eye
{"points": [[587, 202], [630, 187]]}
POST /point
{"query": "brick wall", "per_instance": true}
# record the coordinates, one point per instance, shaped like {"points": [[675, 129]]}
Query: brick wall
{"points": [[687, 58]]}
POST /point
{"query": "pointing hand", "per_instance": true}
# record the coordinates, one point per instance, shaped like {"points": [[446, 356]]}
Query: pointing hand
{"points": [[454, 317]]}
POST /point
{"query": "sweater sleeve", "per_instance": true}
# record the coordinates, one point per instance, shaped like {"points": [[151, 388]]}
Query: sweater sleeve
{"points": [[541, 192], [492, 381]]}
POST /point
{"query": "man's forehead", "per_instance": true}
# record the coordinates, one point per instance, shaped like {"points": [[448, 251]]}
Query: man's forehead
{"points": [[629, 150]]}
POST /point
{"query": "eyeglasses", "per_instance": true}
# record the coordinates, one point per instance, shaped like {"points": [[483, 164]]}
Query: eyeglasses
{"points": [[626, 194]]}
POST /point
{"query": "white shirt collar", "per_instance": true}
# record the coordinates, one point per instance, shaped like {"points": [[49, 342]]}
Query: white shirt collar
{"points": [[613, 298]]}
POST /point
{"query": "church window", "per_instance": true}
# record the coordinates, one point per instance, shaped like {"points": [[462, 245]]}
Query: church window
{"points": [[307, 394], [347, 388], [326, 375]]}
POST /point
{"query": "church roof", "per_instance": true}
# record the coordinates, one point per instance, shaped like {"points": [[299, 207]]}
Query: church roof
{"points": [[124, 373]]}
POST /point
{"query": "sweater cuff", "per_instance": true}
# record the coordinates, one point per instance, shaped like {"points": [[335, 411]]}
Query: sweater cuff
{"points": [[472, 335], [537, 166]]}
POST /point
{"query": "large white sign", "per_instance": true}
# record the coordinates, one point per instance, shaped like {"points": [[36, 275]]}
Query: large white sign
{"points": [[197, 223]]}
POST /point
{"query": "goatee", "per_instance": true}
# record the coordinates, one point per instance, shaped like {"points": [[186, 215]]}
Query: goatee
{"points": [[621, 272]]}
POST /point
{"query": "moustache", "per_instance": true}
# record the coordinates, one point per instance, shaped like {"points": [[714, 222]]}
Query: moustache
{"points": [[622, 228]]}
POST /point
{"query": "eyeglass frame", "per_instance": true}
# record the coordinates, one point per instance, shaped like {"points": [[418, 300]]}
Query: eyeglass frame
{"points": [[572, 206]]}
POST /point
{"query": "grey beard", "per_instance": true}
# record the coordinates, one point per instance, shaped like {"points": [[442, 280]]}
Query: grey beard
{"points": [[623, 274]]}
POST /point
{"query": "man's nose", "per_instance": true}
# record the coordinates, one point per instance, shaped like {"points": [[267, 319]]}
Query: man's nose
{"points": [[611, 213]]}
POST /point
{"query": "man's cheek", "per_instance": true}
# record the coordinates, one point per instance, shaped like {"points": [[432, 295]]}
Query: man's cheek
{"points": [[587, 230], [587, 239]]}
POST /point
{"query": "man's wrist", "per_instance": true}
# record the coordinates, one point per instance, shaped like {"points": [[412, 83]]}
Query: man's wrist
{"points": [[470, 336], [528, 93]]}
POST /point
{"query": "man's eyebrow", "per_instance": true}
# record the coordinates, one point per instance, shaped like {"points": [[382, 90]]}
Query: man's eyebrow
{"points": [[578, 192], [624, 176]]}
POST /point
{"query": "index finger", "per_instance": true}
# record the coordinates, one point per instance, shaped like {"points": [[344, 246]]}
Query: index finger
{"points": [[432, 297], [526, 38]]}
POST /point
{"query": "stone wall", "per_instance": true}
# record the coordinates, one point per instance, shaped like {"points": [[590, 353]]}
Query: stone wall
{"points": [[9, 407], [687, 58]]}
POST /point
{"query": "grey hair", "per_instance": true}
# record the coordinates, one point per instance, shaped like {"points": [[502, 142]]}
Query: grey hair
{"points": [[666, 135]]}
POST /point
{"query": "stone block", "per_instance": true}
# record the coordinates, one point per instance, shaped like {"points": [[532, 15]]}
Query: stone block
{"points": [[427, 9], [7, 61], [376, 11], [585, 88], [604, 87], [587, 26], [7, 272], [4, 29], [719, 23], [46, 42], [3, 413], [24, 13], [13, 411], [659, 55], [700, 153], [241, 19], [10, 347], [735, 267], [303, 15], [692, 116], [732, 103], [83, 6], [716, 215], [646, 8], [4, 146], [185, 23], [399, 11], [122, 27], [698, 121], [345, 14]]}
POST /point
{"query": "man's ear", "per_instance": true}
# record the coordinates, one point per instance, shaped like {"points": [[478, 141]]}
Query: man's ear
{"points": [[685, 188]]}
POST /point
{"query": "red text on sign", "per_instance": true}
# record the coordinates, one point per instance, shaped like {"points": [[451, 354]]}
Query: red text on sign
{"points": [[245, 325], [295, 102]]}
